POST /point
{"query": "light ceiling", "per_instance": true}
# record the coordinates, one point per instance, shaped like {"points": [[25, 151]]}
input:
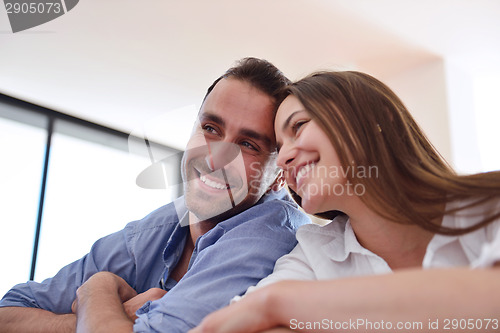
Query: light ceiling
{"points": [[126, 64]]}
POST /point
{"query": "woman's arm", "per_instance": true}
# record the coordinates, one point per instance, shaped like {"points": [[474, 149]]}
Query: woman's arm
{"points": [[438, 300]]}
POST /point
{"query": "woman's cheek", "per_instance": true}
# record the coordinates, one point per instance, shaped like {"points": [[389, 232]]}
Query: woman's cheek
{"points": [[290, 181]]}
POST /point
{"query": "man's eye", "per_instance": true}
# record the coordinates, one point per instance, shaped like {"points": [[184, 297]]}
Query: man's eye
{"points": [[209, 129], [249, 145]]}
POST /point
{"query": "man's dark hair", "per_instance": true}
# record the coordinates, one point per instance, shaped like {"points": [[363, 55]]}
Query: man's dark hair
{"points": [[259, 73]]}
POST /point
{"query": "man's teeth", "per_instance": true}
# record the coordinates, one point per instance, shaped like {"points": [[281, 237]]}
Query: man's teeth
{"points": [[213, 184], [303, 171]]}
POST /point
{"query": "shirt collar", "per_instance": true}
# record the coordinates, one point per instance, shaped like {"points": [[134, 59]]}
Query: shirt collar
{"points": [[343, 241], [439, 240], [181, 210]]}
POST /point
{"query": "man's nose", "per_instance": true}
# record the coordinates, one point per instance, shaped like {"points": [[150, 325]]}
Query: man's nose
{"points": [[220, 154]]}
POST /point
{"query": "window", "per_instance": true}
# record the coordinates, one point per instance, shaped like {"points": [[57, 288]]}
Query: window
{"points": [[90, 189], [22, 148]]}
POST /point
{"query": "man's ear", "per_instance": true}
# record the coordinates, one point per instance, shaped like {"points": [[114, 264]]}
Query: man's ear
{"points": [[279, 182]]}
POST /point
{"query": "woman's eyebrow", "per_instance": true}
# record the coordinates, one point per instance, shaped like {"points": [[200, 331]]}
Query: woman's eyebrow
{"points": [[289, 119]]}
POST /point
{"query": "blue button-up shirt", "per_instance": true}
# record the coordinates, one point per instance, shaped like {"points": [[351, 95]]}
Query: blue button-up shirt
{"points": [[229, 258]]}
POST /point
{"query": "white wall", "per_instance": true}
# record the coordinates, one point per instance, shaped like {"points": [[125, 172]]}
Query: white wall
{"points": [[423, 89]]}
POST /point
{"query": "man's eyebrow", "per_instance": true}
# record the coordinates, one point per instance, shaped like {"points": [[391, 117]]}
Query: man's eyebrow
{"points": [[212, 117], [243, 132], [256, 136]]}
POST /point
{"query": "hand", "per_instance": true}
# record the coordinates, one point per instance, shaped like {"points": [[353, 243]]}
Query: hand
{"points": [[103, 283], [132, 305], [99, 304]]}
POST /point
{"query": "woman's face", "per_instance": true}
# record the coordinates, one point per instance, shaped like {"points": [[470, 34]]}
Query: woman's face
{"points": [[308, 159]]}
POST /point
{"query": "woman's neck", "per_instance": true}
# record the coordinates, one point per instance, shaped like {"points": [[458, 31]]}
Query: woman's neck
{"points": [[400, 245]]}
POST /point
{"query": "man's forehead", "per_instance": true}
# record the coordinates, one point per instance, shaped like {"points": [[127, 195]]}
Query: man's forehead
{"points": [[234, 98], [235, 90]]}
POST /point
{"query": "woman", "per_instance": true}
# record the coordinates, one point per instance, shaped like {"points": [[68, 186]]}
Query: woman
{"points": [[416, 246]]}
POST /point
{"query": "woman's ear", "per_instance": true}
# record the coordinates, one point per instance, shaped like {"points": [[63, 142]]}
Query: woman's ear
{"points": [[278, 183]]}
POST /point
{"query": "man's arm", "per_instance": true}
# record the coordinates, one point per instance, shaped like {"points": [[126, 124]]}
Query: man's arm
{"points": [[32, 320], [46, 306]]}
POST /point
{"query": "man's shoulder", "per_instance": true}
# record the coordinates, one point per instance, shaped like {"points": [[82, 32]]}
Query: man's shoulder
{"points": [[166, 216]]}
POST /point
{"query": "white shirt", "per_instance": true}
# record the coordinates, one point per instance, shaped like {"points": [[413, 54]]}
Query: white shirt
{"points": [[332, 251]]}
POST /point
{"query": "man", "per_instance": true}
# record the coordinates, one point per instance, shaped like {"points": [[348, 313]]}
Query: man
{"points": [[224, 237]]}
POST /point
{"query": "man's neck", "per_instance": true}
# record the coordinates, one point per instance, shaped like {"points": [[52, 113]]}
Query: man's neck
{"points": [[198, 228]]}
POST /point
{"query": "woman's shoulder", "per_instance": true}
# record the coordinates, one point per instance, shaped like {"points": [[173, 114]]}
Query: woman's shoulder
{"points": [[323, 233], [464, 213], [482, 246], [464, 216]]}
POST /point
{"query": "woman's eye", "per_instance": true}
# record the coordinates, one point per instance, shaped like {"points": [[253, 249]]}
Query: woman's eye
{"points": [[297, 125]]}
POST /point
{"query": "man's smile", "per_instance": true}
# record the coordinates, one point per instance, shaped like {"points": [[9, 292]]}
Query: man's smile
{"points": [[216, 184]]}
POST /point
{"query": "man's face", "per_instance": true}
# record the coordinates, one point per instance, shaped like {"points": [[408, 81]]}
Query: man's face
{"points": [[230, 159]]}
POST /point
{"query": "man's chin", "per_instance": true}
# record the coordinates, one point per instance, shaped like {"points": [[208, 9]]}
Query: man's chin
{"points": [[217, 212]]}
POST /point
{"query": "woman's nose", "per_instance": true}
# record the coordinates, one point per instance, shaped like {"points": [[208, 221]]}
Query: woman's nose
{"points": [[286, 156]]}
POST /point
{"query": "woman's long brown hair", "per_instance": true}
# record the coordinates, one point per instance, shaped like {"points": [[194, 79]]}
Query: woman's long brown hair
{"points": [[369, 126]]}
